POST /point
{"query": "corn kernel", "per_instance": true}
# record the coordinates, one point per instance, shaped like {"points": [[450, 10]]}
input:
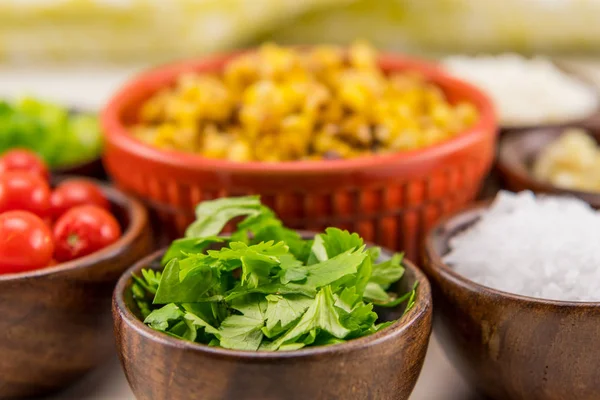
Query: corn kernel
{"points": [[280, 104]]}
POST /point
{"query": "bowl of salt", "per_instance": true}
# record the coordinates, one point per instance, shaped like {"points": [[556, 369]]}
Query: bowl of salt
{"points": [[517, 292]]}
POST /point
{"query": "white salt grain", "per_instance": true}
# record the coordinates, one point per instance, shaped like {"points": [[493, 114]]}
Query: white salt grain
{"points": [[526, 91], [545, 247]]}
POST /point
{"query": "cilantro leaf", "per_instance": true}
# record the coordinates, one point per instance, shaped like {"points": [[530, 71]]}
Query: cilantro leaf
{"points": [[329, 271], [388, 272], [282, 310], [318, 252], [161, 318], [244, 332], [256, 261], [332, 243], [212, 216], [318, 275], [409, 298], [266, 288], [181, 247], [376, 293], [266, 226], [144, 288], [194, 286], [240, 333], [347, 299], [359, 320], [320, 316], [292, 270], [197, 325], [382, 276]]}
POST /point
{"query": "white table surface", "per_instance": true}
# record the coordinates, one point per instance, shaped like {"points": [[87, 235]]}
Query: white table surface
{"points": [[89, 87]]}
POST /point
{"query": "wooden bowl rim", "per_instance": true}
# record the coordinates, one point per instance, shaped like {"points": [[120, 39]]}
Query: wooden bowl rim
{"points": [[138, 220], [396, 330], [510, 163], [117, 134], [436, 266], [65, 169]]}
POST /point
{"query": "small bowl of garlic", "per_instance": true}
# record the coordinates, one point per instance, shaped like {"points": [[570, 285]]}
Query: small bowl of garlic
{"points": [[558, 160]]}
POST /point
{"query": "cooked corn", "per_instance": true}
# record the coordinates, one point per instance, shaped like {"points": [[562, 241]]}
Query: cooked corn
{"points": [[285, 104]]}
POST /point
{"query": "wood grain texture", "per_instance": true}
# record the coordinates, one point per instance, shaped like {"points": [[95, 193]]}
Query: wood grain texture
{"points": [[55, 323], [517, 153], [384, 366], [507, 346]]}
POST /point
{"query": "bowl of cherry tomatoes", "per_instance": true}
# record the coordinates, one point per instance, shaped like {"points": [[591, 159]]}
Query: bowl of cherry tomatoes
{"points": [[64, 242]]}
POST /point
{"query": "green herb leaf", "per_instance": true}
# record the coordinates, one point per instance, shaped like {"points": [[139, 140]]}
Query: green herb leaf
{"points": [[198, 323], [292, 270], [244, 332], [408, 297], [375, 293], [267, 288], [197, 283], [359, 320], [144, 289], [388, 272], [331, 271], [182, 247], [212, 216], [334, 242], [161, 318], [283, 310], [320, 316]]}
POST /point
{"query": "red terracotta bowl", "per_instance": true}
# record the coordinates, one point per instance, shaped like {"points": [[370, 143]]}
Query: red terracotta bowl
{"points": [[390, 200]]}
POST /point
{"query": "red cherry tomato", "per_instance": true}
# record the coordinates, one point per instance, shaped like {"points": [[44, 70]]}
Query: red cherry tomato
{"points": [[24, 191], [23, 160], [25, 242], [83, 230], [76, 192]]}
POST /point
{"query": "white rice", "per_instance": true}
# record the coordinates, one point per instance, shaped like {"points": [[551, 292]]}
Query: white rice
{"points": [[526, 91], [545, 247]]}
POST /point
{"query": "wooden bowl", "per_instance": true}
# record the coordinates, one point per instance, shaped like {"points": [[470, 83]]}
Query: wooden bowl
{"points": [[91, 169], [590, 122], [382, 366], [55, 323], [518, 151], [509, 346], [390, 199]]}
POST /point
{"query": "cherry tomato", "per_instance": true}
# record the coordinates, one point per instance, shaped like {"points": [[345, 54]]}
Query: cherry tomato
{"points": [[83, 230], [76, 192], [25, 242], [24, 191], [23, 160]]}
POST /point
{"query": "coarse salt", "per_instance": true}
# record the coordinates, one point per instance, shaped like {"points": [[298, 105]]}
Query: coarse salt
{"points": [[545, 247], [526, 91]]}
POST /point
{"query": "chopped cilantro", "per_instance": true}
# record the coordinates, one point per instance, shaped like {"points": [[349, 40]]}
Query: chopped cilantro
{"points": [[266, 288]]}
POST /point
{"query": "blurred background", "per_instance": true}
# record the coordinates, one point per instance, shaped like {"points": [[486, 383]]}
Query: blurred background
{"points": [[80, 50], [75, 54]]}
